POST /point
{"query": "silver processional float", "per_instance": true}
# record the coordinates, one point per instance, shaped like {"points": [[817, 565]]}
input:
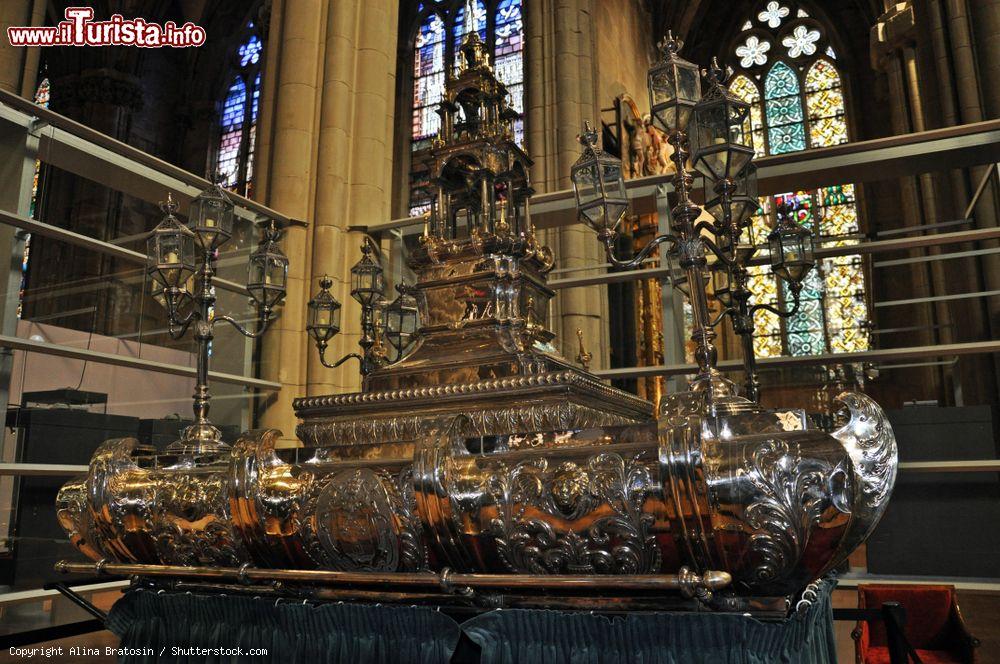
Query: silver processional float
{"points": [[480, 467]]}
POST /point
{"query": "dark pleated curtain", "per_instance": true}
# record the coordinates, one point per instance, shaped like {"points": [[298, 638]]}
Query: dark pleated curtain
{"points": [[359, 634], [552, 637], [291, 633]]}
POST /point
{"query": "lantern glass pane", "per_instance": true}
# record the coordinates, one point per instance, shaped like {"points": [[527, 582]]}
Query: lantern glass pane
{"points": [[171, 252], [714, 163], [688, 84], [614, 183], [748, 183], [256, 270], [744, 208], [277, 271], [807, 248], [738, 160], [662, 85], [322, 316], [408, 324], [595, 217], [777, 256], [710, 126], [586, 185], [614, 212], [211, 219], [668, 118], [335, 316], [791, 245]]}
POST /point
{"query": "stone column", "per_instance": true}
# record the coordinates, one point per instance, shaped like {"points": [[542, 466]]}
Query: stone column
{"points": [[975, 28], [984, 17], [18, 64], [891, 50], [959, 55], [291, 174], [560, 41], [355, 162]]}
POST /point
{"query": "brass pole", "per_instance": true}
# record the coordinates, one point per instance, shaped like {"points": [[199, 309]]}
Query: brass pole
{"points": [[446, 581]]}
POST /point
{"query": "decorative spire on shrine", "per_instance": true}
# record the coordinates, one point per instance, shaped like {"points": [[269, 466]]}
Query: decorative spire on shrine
{"points": [[479, 172], [473, 50]]}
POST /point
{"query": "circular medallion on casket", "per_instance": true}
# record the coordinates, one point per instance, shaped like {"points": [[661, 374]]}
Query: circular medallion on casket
{"points": [[355, 521]]}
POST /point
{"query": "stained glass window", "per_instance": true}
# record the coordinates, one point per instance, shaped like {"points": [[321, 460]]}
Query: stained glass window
{"points": [[42, 93], [441, 28], [797, 103], [428, 80], [825, 105], [509, 57], [238, 117], [42, 99], [745, 89], [785, 130]]}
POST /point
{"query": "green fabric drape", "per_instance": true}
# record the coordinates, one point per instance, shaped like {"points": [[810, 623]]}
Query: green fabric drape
{"points": [[292, 633], [553, 637], [359, 634]]}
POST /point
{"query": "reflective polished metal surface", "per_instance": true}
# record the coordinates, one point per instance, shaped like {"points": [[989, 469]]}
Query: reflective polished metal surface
{"points": [[483, 461]]}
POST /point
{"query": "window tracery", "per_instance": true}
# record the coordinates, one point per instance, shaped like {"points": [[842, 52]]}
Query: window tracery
{"points": [[784, 67]]}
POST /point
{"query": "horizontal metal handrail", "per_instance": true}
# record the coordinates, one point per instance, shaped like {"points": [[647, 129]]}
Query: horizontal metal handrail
{"points": [[963, 466], [69, 237], [873, 247], [24, 596], [968, 584], [58, 350], [861, 161], [40, 470], [936, 298], [880, 355]]}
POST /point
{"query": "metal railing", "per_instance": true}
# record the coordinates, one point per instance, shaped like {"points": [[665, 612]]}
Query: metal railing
{"points": [[32, 132]]}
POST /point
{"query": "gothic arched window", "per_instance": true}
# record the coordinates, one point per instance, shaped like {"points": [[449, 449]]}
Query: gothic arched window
{"points": [[238, 115], [785, 67], [441, 25]]}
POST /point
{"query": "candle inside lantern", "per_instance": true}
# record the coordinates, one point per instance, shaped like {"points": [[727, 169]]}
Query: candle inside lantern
{"points": [[209, 222]]}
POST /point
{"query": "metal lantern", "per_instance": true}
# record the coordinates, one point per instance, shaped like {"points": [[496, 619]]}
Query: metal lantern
{"points": [[267, 271], [401, 319], [170, 250], [367, 280], [743, 201], [599, 186], [324, 313], [721, 146], [211, 217], [791, 246], [674, 88]]}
